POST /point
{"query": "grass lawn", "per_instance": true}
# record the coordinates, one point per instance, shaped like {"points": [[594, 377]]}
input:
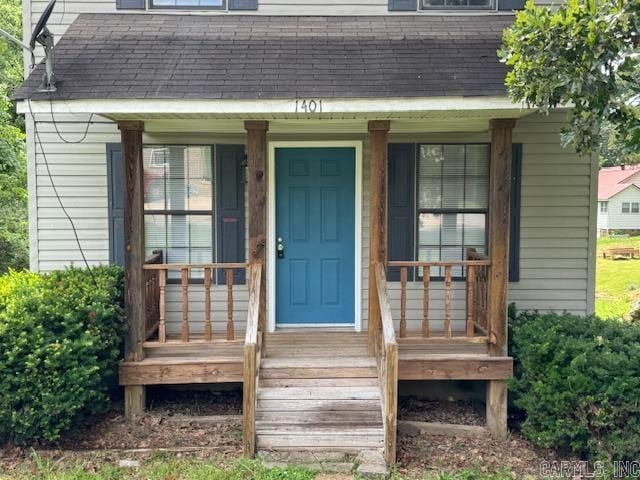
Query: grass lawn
{"points": [[617, 281], [171, 467]]}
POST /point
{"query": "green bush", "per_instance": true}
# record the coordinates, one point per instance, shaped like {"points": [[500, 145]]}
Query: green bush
{"points": [[60, 341], [578, 381]]}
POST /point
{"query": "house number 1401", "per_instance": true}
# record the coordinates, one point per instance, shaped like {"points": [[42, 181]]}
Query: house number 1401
{"points": [[309, 106]]}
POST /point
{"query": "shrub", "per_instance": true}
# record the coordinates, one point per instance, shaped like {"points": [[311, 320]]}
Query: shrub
{"points": [[578, 381], [60, 341]]}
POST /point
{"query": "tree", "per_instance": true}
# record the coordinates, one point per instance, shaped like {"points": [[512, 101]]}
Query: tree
{"points": [[583, 54], [13, 177]]}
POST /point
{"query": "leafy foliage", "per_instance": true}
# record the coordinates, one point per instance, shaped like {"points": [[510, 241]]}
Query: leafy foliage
{"points": [[13, 174], [578, 381], [583, 53], [60, 338]]}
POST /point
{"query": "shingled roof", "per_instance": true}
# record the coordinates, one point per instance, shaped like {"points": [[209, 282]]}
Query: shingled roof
{"points": [[156, 56]]}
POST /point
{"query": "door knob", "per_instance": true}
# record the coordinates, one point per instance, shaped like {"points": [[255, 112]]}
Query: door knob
{"points": [[280, 247]]}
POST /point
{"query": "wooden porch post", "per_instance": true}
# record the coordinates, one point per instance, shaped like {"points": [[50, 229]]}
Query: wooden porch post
{"points": [[131, 134], [257, 186], [378, 151], [498, 282]]}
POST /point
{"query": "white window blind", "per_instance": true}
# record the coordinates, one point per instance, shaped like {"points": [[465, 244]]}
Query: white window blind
{"points": [[179, 203], [453, 197]]}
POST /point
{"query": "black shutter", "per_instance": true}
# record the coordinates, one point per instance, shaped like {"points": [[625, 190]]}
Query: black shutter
{"points": [[509, 5], [514, 232], [403, 5], [130, 4], [243, 4], [230, 237], [402, 204], [115, 195]]}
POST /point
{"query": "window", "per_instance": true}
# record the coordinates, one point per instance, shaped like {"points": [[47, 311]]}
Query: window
{"points": [[603, 207], [179, 203], [456, 4], [191, 4], [635, 207], [625, 207], [452, 201]]}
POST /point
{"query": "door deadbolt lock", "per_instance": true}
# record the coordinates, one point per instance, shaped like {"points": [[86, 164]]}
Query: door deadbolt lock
{"points": [[280, 248]]}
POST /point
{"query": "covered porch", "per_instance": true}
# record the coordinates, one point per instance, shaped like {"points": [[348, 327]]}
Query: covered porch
{"points": [[419, 320]]}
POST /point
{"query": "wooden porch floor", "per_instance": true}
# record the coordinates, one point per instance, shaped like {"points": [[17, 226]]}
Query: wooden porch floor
{"points": [[218, 361]]}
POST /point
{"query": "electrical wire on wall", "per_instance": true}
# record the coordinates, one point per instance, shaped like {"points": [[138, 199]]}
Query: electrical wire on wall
{"points": [[55, 125], [53, 185]]}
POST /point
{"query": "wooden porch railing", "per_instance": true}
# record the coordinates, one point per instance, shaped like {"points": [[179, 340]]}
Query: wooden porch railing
{"points": [[253, 342], [475, 270], [157, 296], [152, 294], [477, 303], [386, 352]]}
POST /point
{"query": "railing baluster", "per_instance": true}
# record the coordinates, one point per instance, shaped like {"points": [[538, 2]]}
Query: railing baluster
{"points": [[471, 285], [208, 334], [426, 277], [447, 300], [230, 327], [162, 329], [403, 302], [185, 304]]}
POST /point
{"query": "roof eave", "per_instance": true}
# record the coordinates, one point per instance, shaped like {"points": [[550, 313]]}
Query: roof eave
{"points": [[410, 107]]}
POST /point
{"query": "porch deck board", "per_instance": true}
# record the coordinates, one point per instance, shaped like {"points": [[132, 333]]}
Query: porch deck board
{"points": [[313, 357]]}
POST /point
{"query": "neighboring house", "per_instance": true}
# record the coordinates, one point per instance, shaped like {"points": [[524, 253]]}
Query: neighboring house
{"points": [[619, 200], [276, 155]]}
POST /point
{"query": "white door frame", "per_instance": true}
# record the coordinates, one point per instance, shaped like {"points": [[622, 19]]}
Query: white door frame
{"points": [[271, 229]]}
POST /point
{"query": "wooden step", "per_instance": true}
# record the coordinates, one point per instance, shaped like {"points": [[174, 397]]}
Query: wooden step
{"points": [[318, 396], [330, 441], [336, 430], [369, 381], [317, 372], [319, 393], [315, 405], [332, 362], [364, 417]]}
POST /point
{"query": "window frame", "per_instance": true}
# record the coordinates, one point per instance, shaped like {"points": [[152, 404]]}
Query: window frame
{"points": [[442, 211], [604, 207], [186, 213], [151, 6], [628, 207], [493, 6], [635, 207]]}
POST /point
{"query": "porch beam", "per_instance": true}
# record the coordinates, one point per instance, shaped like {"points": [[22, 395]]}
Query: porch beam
{"points": [[378, 151], [499, 202], [257, 186], [131, 137]]}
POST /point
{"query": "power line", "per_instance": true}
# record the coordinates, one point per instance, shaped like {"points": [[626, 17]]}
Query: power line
{"points": [[57, 195]]}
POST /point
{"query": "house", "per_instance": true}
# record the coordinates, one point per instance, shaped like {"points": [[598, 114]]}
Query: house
{"points": [[316, 199], [619, 199]]}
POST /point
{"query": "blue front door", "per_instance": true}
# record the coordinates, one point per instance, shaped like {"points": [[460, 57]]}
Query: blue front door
{"points": [[315, 228]]}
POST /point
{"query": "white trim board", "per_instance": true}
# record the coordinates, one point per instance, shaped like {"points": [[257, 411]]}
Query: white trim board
{"points": [[271, 228], [275, 108]]}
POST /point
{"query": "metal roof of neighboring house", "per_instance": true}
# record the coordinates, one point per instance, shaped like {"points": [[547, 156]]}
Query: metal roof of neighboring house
{"points": [[162, 56], [613, 180]]}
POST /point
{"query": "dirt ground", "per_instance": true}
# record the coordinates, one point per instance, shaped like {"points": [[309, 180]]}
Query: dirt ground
{"points": [[163, 426], [464, 413]]}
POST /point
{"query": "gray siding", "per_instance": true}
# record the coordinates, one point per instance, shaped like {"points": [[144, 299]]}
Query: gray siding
{"points": [[557, 224]]}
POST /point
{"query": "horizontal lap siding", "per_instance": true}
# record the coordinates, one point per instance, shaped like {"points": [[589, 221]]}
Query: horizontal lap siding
{"points": [[66, 12], [79, 174], [555, 220], [196, 308]]}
